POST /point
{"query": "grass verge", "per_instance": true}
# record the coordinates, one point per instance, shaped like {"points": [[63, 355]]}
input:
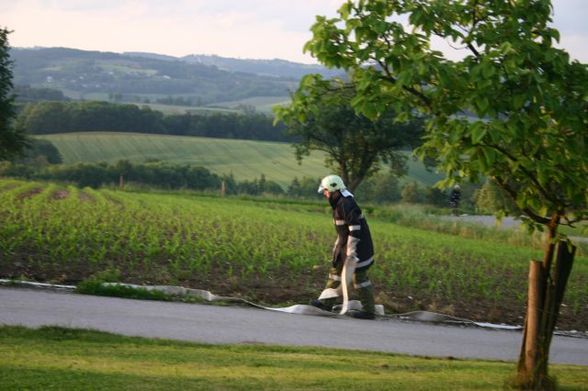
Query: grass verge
{"points": [[60, 358], [98, 288]]}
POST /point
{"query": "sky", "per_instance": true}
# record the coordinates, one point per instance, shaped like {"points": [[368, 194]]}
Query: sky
{"points": [[257, 29]]}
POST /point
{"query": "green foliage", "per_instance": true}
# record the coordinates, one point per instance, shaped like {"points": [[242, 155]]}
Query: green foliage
{"points": [[53, 116], [380, 188], [62, 117], [152, 174], [41, 152], [256, 187], [437, 197], [94, 285], [513, 109], [526, 99], [98, 288], [96, 175], [12, 139], [304, 188], [26, 93], [322, 117], [410, 193], [493, 200]]}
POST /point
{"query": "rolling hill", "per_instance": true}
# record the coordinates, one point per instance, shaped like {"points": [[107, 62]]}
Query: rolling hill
{"points": [[147, 78], [245, 159], [275, 67]]}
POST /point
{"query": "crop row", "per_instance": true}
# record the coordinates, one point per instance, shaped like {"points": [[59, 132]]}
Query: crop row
{"points": [[274, 255]]}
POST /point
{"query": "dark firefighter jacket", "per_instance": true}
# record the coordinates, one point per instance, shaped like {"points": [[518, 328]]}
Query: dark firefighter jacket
{"points": [[353, 234]]}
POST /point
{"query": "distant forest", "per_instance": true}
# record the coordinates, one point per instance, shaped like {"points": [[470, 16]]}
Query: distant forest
{"points": [[75, 116], [26, 93]]}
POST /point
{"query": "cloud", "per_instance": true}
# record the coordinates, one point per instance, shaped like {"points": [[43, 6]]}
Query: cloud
{"points": [[253, 28], [233, 28]]}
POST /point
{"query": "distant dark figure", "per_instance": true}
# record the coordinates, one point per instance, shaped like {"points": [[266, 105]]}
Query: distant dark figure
{"points": [[454, 199]]}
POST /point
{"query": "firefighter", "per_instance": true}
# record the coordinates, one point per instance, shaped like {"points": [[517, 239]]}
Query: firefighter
{"points": [[353, 249], [454, 199]]}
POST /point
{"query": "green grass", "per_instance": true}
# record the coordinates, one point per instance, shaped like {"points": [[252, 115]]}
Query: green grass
{"points": [[119, 68], [57, 358], [245, 159], [94, 286], [271, 252], [178, 109], [164, 108], [260, 103]]}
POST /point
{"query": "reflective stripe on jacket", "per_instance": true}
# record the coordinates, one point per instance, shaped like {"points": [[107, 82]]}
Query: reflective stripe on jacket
{"points": [[353, 234]]}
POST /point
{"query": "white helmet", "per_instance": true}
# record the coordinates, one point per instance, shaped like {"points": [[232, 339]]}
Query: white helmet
{"points": [[331, 183]]}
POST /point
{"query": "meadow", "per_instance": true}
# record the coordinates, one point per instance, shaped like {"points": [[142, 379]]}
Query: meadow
{"points": [[80, 359], [164, 108], [263, 104], [245, 159], [274, 252]]}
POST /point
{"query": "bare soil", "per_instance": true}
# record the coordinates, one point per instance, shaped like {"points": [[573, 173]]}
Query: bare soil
{"points": [[282, 292]]}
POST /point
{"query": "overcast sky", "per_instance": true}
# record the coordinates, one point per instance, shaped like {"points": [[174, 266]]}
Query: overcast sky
{"points": [[262, 29]]}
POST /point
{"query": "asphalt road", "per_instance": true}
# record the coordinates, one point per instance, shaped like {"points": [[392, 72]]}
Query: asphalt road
{"points": [[221, 324]]}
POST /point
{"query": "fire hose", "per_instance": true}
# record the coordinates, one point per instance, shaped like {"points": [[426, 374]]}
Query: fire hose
{"points": [[301, 309]]}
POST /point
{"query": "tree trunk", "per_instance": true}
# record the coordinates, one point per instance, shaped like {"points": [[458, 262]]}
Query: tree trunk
{"points": [[556, 286], [223, 188], [546, 292], [529, 357]]}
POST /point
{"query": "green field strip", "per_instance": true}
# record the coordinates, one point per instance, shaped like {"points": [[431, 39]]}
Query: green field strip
{"points": [[260, 103], [163, 146], [245, 159], [244, 169], [104, 147], [261, 159], [175, 109]]}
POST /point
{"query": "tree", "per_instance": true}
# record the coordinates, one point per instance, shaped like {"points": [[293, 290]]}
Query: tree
{"points": [[26, 93], [410, 193], [383, 187], [513, 109], [321, 116], [304, 188], [12, 140], [41, 151], [490, 198], [436, 196]]}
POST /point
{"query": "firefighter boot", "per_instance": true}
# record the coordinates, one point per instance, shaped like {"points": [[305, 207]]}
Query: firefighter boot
{"points": [[333, 282], [323, 304], [365, 291], [366, 296]]}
